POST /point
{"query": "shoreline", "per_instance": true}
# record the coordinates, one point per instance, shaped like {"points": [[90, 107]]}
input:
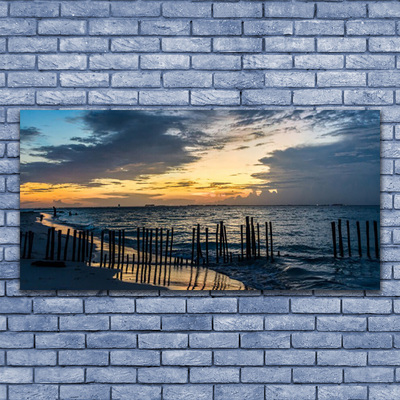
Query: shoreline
{"points": [[74, 276]]}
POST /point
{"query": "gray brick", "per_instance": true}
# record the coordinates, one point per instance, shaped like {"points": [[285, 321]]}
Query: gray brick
{"points": [[216, 27], [214, 375], [163, 340], [365, 27], [386, 323], [265, 340], [289, 392], [384, 10], [136, 392], [214, 97], [367, 340], [341, 323], [241, 10], [109, 96], [84, 322], [368, 97], [288, 10], [186, 357], [316, 305], [179, 392], [17, 61], [237, 45], [19, 26], [239, 392], [342, 358], [32, 45], [163, 375], [60, 340], [83, 357], [368, 374], [61, 61], [347, 392], [113, 27], [264, 305], [57, 306], [164, 61], [241, 323], [342, 78], [135, 357], [370, 61], [215, 62], [187, 323], [384, 44], [16, 375], [31, 357], [186, 79], [64, 97], [346, 10], [269, 97], [289, 323], [384, 357], [194, 45], [286, 45], [319, 61], [109, 305], [111, 340], [32, 322], [180, 9], [36, 9], [238, 357], [16, 340], [165, 28], [317, 375], [61, 27], [212, 305], [366, 306], [176, 97], [341, 45], [214, 340], [87, 45], [316, 340], [110, 375], [113, 61], [14, 306], [60, 375], [383, 78], [135, 322], [83, 79], [32, 79], [90, 391], [135, 44], [264, 375], [129, 9], [318, 27], [85, 9], [32, 391], [268, 27], [290, 357], [136, 79], [289, 79]]}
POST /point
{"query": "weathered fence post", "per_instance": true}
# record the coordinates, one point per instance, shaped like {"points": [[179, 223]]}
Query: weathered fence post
{"points": [[334, 239], [359, 239], [376, 239], [348, 237], [272, 243], [367, 231], [340, 237]]}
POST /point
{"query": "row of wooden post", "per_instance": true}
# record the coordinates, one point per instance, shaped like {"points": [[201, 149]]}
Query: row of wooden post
{"points": [[28, 244], [341, 249], [252, 243]]}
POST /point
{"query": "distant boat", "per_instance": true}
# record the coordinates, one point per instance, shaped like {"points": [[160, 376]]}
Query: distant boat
{"points": [[150, 205], [119, 205]]}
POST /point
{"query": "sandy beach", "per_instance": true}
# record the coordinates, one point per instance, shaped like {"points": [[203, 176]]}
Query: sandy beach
{"points": [[75, 275]]}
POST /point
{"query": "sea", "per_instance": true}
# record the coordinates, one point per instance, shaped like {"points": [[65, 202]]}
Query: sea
{"points": [[302, 242]]}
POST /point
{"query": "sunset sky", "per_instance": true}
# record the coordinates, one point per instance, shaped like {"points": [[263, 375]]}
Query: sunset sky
{"points": [[252, 157]]}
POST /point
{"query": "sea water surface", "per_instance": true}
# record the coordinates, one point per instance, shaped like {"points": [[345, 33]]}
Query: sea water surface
{"points": [[301, 234]]}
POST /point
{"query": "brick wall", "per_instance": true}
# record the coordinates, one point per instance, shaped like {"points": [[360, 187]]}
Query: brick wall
{"points": [[180, 345]]}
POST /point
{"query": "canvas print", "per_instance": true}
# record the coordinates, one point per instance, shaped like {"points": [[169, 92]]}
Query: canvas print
{"points": [[200, 200]]}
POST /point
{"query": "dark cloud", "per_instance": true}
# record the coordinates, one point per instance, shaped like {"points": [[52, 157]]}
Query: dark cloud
{"points": [[29, 133]]}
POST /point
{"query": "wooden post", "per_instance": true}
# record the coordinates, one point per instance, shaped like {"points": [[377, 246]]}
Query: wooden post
{"points": [[272, 243], [52, 243], [170, 248], [221, 240], [253, 238], [161, 250], [59, 246], [348, 237], [83, 245], [193, 233], [207, 246], [66, 245], [258, 238], [150, 247], [133, 262], [376, 240], [147, 248], [334, 238], [216, 244], [78, 258], [74, 246], [101, 248], [25, 245], [127, 263], [156, 249], [266, 239], [143, 244], [48, 246], [198, 245], [138, 246], [248, 253], [113, 250], [226, 244], [105, 260], [241, 240], [119, 247], [367, 230], [359, 239], [87, 243], [123, 246], [340, 237], [166, 257], [91, 249]]}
